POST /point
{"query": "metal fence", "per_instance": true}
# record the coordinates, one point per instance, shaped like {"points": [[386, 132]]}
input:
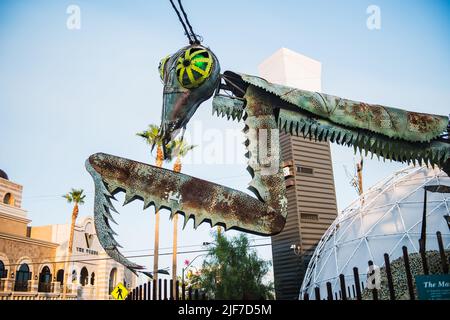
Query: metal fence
{"points": [[164, 291], [347, 291], [354, 291]]}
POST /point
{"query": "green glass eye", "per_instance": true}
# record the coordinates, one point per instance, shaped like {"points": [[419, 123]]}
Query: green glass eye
{"points": [[161, 66], [194, 67]]}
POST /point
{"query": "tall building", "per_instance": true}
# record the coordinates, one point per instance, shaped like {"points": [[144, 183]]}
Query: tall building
{"points": [[33, 259], [310, 183]]}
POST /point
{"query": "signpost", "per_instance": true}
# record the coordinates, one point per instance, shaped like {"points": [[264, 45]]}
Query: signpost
{"points": [[435, 287], [120, 292]]}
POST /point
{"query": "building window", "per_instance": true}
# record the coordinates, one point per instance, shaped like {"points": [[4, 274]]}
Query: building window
{"points": [[8, 199], [2, 270], [22, 277], [112, 279], [84, 274], [60, 276], [45, 280], [305, 170], [92, 279], [310, 217], [74, 276]]}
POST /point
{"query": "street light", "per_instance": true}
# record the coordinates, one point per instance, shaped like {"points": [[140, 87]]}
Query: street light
{"points": [[150, 274], [297, 249]]}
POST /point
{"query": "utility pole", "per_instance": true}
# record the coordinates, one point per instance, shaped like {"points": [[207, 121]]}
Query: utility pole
{"points": [[359, 168]]}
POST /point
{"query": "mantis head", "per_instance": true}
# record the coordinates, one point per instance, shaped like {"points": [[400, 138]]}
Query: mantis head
{"points": [[190, 77]]}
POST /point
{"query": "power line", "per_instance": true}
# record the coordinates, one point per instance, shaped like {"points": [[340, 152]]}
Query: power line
{"points": [[128, 257], [126, 251]]}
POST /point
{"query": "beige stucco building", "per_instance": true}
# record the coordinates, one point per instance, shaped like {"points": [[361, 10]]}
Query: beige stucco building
{"points": [[33, 259]]}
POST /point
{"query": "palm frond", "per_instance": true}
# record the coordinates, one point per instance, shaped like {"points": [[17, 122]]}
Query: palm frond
{"points": [[151, 135], [180, 148], [75, 195]]}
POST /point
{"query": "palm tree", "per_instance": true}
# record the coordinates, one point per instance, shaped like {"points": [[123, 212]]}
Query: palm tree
{"points": [[180, 149], [76, 197], [152, 138]]}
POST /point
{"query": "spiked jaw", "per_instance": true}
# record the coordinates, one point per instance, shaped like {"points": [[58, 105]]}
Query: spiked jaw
{"points": [[191, 197], [190, 77]]}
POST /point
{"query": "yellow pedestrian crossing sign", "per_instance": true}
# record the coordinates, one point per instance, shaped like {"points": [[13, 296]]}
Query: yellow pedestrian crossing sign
{"points": [[120, 292]]}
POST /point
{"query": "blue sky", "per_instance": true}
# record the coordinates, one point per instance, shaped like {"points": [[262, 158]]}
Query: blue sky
{"points": [[66, 94]]}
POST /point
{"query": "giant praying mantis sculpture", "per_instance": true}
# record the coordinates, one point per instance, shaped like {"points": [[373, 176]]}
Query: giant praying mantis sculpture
{"points": [[191, 76]]}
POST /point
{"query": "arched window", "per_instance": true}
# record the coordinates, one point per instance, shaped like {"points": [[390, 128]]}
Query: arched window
{"points": [[2, 270], [112, 279], [45, 280], [8, 199], [74, 276], [92, 279], [84, 274], [60, 276], [22, 277]]}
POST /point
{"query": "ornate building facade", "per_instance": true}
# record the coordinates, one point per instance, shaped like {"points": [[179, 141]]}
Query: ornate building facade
{"points": [[33, 260]]}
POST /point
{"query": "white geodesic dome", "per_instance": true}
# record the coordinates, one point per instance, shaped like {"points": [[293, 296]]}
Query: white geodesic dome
{"points": [[385, 218]]}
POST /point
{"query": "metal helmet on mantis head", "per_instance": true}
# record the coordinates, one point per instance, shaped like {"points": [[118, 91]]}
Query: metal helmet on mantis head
{"points": [[190, 77]]}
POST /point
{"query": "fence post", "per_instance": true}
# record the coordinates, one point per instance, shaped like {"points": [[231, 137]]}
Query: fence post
{"points": [[190, 293], [374, 290], [444, 262], [329, 291], [423, 235], [171, 297], [423, 256], [145, 291], [165, 289], [196, 294], [357, 283], [155, 289], [343, 288], [389, 276], [159, 289], [408, 273], [177, 290], [317, 292], [183, 291], [140, 292]]}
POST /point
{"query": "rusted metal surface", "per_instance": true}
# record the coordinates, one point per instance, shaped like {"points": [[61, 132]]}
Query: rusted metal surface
{"points": [[388, 121], [195, 198], [266, 109]]}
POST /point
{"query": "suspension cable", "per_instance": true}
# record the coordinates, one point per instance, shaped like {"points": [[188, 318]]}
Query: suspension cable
{"points": [[182, 22], [196, 41]]}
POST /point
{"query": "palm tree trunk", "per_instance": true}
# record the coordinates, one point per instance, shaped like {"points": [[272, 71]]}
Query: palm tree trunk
{"points": [[159, 156], [176, 168], [159, 163], [69, 248]]}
